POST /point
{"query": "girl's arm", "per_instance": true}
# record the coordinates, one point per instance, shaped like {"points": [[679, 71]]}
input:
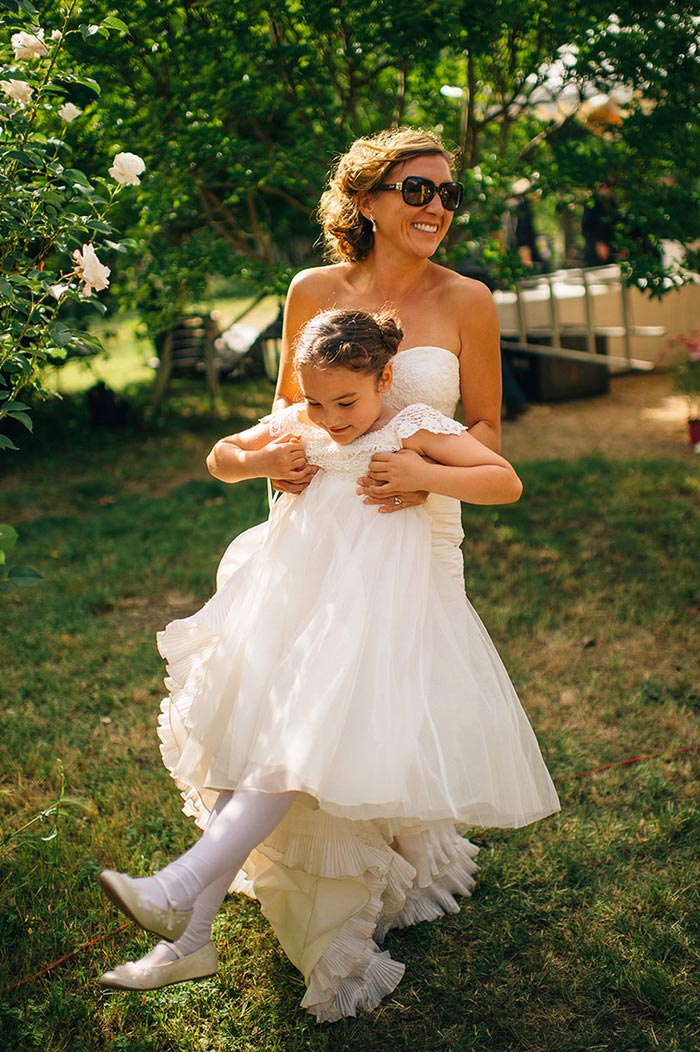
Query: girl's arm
{"points": [[255, 453], [459, 466]]}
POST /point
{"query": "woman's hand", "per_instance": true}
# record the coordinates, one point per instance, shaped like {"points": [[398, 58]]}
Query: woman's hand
{"points": [[393, 481], [287, 467]]}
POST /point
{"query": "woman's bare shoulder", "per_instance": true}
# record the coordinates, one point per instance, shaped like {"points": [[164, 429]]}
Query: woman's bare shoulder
{"points": [[319, 283], [468, 291]]}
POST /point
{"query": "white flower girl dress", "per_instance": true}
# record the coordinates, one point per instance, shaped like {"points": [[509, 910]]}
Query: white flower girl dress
{"points": [[340, 658]]}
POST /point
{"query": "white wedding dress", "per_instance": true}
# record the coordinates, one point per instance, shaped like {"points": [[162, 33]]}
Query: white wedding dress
{"points": [[340, 658]]}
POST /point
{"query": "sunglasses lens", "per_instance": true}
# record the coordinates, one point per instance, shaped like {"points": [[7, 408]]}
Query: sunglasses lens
{"points": [[418, 191], [451, 195]]}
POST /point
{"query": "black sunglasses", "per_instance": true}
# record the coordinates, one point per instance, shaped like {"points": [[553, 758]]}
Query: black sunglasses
{"points": [[417, 191]]}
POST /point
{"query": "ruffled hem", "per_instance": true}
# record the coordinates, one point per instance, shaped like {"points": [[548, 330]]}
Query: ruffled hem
{"points": [[344, 968]]}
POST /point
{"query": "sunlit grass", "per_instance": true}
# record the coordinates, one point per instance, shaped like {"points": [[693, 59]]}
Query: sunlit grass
{"points": [[583, 932]]}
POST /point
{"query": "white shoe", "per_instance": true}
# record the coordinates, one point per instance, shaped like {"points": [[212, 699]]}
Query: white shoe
{"points": [[138, 975], [170, 924]]}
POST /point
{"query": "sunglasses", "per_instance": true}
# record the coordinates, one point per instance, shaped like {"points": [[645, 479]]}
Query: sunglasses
{"points": [[417, 191]]}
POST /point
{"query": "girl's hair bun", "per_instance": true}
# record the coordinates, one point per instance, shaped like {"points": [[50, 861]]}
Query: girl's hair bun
{"points": [[390, 330], [351, 339]]}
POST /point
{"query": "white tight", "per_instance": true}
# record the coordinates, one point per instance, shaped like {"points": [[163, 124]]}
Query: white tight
{"points": [[200, 878]]}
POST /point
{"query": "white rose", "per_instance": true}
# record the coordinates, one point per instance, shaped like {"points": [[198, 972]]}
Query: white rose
{"points": [[18, 90], [29, 45], [58, 290], [127, 168], [57, 35], [68, 112], [90, 271]]}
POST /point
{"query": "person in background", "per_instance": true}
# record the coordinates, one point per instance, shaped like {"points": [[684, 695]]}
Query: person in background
{"points": [[599, 222]]}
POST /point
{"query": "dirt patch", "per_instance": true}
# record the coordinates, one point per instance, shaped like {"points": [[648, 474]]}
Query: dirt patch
{"points": [[641, 418]]}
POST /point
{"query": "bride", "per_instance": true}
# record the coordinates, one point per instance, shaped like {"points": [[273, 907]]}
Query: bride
{"points": [[389, 205]]}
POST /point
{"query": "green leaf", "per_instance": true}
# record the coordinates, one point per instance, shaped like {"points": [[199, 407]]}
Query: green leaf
{"points": [[6, 443], [8, 537], [23, 576], [23, 418], [88, 82], [99, 225], [12, 406], [112, 22], [61, 335], [72, 175]]}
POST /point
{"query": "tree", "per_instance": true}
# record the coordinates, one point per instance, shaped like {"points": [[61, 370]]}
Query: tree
{"points": [[240, 108]]}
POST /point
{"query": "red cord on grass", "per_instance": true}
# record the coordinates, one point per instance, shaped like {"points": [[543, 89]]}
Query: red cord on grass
{"points": [[632, 759], [67, 956]]}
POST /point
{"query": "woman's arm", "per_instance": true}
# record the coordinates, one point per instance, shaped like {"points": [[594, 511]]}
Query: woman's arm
{"points": [[255, 453], [304, 300], [480, 364], [457, 466]]}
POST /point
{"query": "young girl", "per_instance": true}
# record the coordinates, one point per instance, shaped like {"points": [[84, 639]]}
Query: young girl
{"points": [[337, 706]]}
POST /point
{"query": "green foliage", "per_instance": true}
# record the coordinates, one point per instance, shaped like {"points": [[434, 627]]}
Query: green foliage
{"points": [[52, 216], [13, 576], [45, 825], [239, 110]]}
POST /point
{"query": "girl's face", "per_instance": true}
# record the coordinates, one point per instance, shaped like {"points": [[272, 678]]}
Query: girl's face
{"points": [[416, 231], [345, 403]]}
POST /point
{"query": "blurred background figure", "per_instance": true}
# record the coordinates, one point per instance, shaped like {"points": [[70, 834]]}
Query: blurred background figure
{"points": [[520, 229], [600, 218]]}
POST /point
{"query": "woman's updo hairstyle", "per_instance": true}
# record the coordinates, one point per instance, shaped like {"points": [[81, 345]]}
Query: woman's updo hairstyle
{"points": [[347, 234], [350, 339]]}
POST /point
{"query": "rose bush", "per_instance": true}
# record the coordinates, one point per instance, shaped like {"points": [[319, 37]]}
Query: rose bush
{"points": [[53, 219]]}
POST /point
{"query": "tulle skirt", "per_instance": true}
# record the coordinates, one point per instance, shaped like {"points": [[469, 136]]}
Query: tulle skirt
{"points": [[340, 658]]}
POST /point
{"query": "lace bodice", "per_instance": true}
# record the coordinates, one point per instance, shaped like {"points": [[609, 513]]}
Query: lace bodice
{"points": [[353, 459], [428, 375]]}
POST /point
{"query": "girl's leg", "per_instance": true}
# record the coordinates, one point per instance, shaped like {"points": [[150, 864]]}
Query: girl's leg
{"points": [[198, 931], [239, 822]]}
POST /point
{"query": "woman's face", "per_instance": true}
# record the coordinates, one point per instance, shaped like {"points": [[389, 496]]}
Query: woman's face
{"points": [[416, 231]]}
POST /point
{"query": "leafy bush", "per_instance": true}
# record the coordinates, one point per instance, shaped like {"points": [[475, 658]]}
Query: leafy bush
{"points": [[53, 219]]}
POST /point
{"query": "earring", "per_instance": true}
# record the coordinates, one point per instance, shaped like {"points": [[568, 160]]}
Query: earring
{"points": [[374, 225]]}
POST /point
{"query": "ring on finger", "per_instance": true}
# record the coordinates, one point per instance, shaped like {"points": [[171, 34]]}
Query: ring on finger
{"points": [[397, 501]]}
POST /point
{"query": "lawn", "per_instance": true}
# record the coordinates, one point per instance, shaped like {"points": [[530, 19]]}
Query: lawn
{"points": [[583, 933]]}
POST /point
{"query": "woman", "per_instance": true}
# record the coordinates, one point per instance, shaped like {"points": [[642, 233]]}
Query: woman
{"points": [[381, 234], [388, 207]]}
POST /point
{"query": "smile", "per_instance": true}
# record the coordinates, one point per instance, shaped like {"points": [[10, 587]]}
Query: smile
{"points": [[428, 228]]}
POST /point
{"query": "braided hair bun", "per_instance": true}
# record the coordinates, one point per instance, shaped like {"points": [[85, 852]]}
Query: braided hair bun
{"points": [[349, 339]]}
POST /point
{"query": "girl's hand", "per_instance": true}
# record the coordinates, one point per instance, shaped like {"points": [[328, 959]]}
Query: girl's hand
{"points": [[286, 464], [391, 476]]}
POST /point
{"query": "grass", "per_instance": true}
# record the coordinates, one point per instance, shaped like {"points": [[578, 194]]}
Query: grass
{"points": [[584, 930]]}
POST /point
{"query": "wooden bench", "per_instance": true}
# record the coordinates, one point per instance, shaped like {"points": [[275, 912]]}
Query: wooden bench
{"points": [[187, 349]]}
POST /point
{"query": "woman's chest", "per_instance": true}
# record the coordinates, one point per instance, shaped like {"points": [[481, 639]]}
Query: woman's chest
{"points": [[424, 318]]}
